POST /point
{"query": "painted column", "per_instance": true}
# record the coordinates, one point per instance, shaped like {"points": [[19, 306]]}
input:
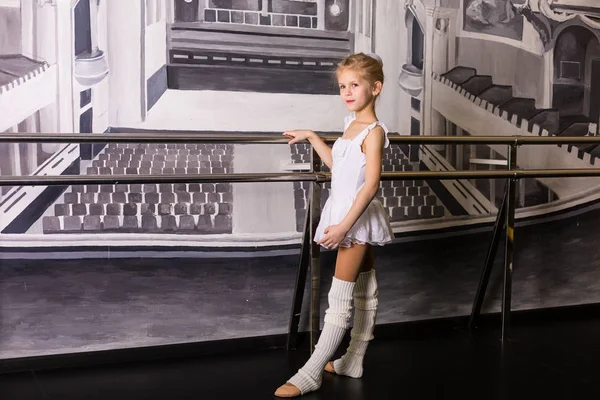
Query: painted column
{"points": [[265, 9], [443, 58], [440, 45], [27, 27], [67, 118], [170, 19], [427, 70], [100, 91], [27, 48], [94, 5], [202, 5], [459, 150], [15, 158], [449, 147], [548, 79], [29, 151], [362, 40], [39, 42], [321, 14], [452, 16], [127, 61], [63, 26], [47, 35], [170, 11], [439, 66]]}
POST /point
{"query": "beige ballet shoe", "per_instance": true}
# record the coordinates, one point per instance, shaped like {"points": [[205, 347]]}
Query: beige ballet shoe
{"points": [[287, 390], [329, 367]]}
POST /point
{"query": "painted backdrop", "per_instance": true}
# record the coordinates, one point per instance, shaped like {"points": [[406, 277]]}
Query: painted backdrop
{"points": [[92, 267]]}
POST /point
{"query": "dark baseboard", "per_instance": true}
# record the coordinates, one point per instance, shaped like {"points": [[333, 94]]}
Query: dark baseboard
{"points": [[397, 331], [432, 328], [142, 354]]}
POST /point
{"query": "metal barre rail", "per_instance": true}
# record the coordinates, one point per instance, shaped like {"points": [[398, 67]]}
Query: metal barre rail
{"points": [[50, 180], [277, 139], [504, 225]]}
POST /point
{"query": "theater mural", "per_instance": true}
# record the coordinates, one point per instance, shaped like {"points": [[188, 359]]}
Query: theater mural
{"points": [[93, 267]]}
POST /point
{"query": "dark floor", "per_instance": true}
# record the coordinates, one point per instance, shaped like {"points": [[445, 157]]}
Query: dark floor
{"points": [[551, 361]]}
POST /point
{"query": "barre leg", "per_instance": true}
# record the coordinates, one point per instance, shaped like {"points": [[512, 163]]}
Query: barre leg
{"points": [[315, 266], [489, 261], [300, 283], [508, 258]]}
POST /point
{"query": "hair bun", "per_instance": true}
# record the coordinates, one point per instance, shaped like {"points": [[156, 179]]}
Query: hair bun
{"points": [[375, 57]]}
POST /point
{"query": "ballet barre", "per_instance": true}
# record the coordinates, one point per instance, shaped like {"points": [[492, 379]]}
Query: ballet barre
{"points": [[310, 251]]}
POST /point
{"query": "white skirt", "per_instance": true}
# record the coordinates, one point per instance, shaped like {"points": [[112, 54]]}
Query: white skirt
{"points": [[372, 227]]}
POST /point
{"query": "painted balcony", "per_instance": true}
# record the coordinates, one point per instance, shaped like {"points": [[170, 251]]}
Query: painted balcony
{"points": [[491, 110], [26, 86]]}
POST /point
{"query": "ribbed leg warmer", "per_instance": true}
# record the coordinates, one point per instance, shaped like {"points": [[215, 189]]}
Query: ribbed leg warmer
{"points": [[337, 320], [365, 313]]}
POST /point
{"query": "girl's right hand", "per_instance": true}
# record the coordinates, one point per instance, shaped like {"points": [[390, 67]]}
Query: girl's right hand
{"points": [[298, 135]]}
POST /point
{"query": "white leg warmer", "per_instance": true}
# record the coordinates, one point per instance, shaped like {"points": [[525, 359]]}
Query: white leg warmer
{"points": [[337, 320], [365, 313]]}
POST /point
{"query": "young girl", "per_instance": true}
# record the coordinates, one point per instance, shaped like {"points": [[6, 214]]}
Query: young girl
{"points": [[353, 220]]}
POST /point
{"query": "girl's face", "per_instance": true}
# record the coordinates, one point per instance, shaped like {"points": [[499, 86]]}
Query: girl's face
{"points": [[356, 92]]}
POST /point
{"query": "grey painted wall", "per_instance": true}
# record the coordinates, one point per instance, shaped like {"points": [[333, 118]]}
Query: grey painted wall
{"points": [[156, 86], [508, 65], [63, 306], [10, 30], [57, 306]]}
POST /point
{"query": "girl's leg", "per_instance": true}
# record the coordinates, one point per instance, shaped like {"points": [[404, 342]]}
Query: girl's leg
{"points": [[365, 313], [337, 320]]}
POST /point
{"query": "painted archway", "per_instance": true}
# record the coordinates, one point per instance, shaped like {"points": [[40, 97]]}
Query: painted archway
{"points": [[576, 76]]}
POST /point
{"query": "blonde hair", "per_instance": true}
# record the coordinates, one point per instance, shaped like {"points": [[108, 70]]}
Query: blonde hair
{"points": [[370, 66]]}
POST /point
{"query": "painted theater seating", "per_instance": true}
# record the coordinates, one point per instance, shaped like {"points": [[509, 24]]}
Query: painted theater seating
{"points": [[150, 208], [403, 200]]}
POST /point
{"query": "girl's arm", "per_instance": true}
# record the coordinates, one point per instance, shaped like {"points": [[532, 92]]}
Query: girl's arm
{"points": [[317, 143], [373, 148]]}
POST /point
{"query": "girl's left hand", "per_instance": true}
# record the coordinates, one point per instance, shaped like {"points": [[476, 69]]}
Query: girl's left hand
{"points": [[334, 235]]}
